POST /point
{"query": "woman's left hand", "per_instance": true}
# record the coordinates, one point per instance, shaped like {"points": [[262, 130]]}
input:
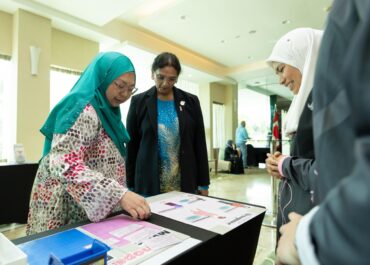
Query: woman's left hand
{"points": [[203, 192]]}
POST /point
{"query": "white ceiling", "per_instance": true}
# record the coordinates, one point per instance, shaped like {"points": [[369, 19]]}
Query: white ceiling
{"points": [[237, 34]]}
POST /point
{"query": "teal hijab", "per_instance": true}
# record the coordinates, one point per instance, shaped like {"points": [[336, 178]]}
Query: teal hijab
{"points": [[90, 89]]}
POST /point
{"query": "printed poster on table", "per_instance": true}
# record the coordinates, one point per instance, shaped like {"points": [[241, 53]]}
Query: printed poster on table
{"points": [[216, 215], [132, 241]]}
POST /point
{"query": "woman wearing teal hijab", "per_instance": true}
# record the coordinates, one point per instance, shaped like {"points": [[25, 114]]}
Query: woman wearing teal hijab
{"points": [[82, 174]]}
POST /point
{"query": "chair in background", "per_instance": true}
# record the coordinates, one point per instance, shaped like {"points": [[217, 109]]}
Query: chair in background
{"points": [[217, 163], [223, 165]]}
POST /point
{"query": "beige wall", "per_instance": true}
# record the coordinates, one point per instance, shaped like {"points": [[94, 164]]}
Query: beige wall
{"points": [[25, 29], [70, 51], [6, 25], [156, 44], [32, 91], [231, 111], [226, 95], [206, 105]]}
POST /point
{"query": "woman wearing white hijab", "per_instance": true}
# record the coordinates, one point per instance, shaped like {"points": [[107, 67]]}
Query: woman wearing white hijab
{"points": [[294, 59]]}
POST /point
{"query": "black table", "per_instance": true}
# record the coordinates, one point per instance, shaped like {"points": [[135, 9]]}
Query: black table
{"points": [[256, 155], [237, 246], [16, 182]]}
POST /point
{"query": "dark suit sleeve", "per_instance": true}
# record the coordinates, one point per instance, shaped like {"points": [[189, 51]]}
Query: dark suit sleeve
{"points": [[201, 148], [300, 169], [133, 145], [340, 229], [342, 222]]}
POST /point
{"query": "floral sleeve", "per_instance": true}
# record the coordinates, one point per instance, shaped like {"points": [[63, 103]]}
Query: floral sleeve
{"points": [[89, 166]]}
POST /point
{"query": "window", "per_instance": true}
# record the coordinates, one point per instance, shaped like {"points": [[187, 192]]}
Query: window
{"points": [[61, 82], [188, 86], [218, 125], [285, 139], [254, 109], [8, 111]]}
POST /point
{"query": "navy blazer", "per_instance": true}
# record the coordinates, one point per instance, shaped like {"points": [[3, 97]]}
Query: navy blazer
{"points": [[142, 150]]}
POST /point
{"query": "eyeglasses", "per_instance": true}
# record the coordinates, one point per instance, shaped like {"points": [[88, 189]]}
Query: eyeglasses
{"points": [[162, 78], [123, 87]]}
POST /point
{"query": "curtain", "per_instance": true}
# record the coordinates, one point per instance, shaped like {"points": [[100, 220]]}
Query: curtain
{"points": [[218, 125]]}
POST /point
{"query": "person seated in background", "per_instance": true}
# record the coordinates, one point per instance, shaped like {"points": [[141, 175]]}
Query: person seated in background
{"points": [[82, 173], [232, 155]]}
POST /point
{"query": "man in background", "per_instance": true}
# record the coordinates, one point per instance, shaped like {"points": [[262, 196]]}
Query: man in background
{"points": [[241, 137]]}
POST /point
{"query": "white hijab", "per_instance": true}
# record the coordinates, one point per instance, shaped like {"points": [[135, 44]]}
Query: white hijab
{"points": [[298, 48]]}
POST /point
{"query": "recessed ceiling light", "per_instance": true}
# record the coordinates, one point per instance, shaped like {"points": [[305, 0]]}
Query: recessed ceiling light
{"points": [[286, 21], [252, 31]]}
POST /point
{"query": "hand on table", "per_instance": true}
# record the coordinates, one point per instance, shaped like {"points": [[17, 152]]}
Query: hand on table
{"points": [[203, 192], [135, 205]]}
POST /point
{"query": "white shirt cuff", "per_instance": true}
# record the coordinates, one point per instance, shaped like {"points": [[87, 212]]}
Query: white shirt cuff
{"points": [[306, 250]]}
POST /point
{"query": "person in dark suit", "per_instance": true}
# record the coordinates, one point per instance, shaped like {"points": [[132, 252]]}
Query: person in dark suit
{"points": [[337, 231], [168, 149]]}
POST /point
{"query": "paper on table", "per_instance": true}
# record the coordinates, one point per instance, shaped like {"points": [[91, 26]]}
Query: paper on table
{"points": [[171, 252], [216, 215], [132, 241]]}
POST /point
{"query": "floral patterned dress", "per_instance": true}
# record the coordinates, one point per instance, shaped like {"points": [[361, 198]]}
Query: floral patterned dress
{"points": [[82, 177]]}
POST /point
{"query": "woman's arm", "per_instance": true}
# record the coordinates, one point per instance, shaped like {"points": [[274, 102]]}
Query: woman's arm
{"points": [[94, 192]]}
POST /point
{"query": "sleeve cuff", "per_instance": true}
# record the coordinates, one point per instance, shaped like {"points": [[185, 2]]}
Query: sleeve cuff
{"points": [[306, 250], [280, 165], [203, 187]]}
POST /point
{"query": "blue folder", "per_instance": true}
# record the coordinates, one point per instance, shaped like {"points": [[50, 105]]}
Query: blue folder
{"points": [[67, 247]]}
